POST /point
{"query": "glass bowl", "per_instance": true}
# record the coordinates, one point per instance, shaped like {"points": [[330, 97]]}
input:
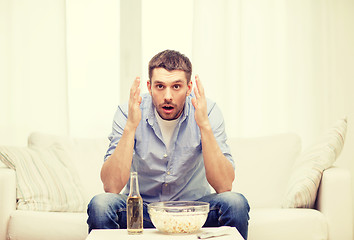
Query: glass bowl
{"points": [[178, 216]]}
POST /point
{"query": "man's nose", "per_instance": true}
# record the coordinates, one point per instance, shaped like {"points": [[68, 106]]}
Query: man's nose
{"points": [[168, 94]]}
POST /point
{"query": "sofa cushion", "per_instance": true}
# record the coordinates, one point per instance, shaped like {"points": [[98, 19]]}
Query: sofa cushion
{"points": [[309, 166], [289, 224], [87, 155], [263, 166], [45, 178], [34, 225]]}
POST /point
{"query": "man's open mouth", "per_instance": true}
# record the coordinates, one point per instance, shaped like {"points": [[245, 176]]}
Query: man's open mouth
{"points": [[168, 109]]}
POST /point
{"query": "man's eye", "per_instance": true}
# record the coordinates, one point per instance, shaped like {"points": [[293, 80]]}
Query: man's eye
{"points": [[159, 86], [176, 87]]}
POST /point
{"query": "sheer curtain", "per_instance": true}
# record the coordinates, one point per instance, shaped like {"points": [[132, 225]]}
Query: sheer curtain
{"points": [[33, 69], [59, 67], [268, 63], [278, 66], [272, 66], [93, 65]]}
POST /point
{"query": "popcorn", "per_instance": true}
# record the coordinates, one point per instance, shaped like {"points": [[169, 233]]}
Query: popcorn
{"points": [[179, 222]]}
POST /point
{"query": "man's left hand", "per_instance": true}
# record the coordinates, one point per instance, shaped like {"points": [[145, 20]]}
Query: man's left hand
{"points": [[200, 104]]}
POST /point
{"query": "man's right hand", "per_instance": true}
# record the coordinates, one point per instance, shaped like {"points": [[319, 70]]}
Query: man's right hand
{"points": [[134, 112]]}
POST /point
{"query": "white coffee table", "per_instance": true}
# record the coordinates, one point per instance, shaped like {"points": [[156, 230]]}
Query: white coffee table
{"points": [[153, 234]]}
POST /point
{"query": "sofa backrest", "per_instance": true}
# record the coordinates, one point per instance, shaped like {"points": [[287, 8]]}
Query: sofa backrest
{"points": [[263, 166]]}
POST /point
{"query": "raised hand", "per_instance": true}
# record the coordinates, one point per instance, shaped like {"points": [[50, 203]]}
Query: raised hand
{"points": [[134, 112], [200, 104]]}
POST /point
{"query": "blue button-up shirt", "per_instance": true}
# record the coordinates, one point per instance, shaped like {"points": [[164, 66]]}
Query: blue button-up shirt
{"points": [[176, 173]]}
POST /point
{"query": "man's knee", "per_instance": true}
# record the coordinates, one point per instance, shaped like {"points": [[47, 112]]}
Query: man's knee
{"points": [[103, 211], [237, 208], [234, 200], [105, 201]]}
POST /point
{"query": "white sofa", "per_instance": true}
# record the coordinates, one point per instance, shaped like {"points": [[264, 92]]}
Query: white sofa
{"points": [[263, 167]]}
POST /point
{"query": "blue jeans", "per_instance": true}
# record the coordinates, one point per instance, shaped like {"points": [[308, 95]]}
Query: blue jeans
{"points": [[108, 211]]}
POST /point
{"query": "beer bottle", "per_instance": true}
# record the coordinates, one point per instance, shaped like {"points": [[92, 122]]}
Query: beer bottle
{"points": [[134, 207]]}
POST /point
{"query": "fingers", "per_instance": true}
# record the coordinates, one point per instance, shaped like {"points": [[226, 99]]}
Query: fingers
{"points": [[134, 112], [135, 89], [200, 104], [199, 89], [194, 102], [196, 92], [137, 92]]}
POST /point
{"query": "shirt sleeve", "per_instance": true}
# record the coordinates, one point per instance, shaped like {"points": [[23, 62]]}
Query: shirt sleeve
{"points": [[119, 121], [217, 123]]}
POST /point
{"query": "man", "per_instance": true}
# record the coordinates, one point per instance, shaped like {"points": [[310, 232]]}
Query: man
{"points": [[176, 141]]}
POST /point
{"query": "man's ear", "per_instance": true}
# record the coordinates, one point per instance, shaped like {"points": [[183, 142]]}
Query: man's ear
{"points": [[190, 87], [148, 83]]}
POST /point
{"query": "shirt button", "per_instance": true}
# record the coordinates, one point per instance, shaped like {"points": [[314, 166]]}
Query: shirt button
{"points": [[165, 184], [168, 173], [165, 155]]}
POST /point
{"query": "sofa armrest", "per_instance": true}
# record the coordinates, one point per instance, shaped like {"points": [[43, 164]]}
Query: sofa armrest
{"points": [[7, 198], [334, 200]]}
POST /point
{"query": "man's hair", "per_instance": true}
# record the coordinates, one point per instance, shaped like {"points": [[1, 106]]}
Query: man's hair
{"points": [[171, 60]]}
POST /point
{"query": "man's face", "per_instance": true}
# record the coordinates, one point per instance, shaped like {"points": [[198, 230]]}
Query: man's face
{"points": [[169, 90]]}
